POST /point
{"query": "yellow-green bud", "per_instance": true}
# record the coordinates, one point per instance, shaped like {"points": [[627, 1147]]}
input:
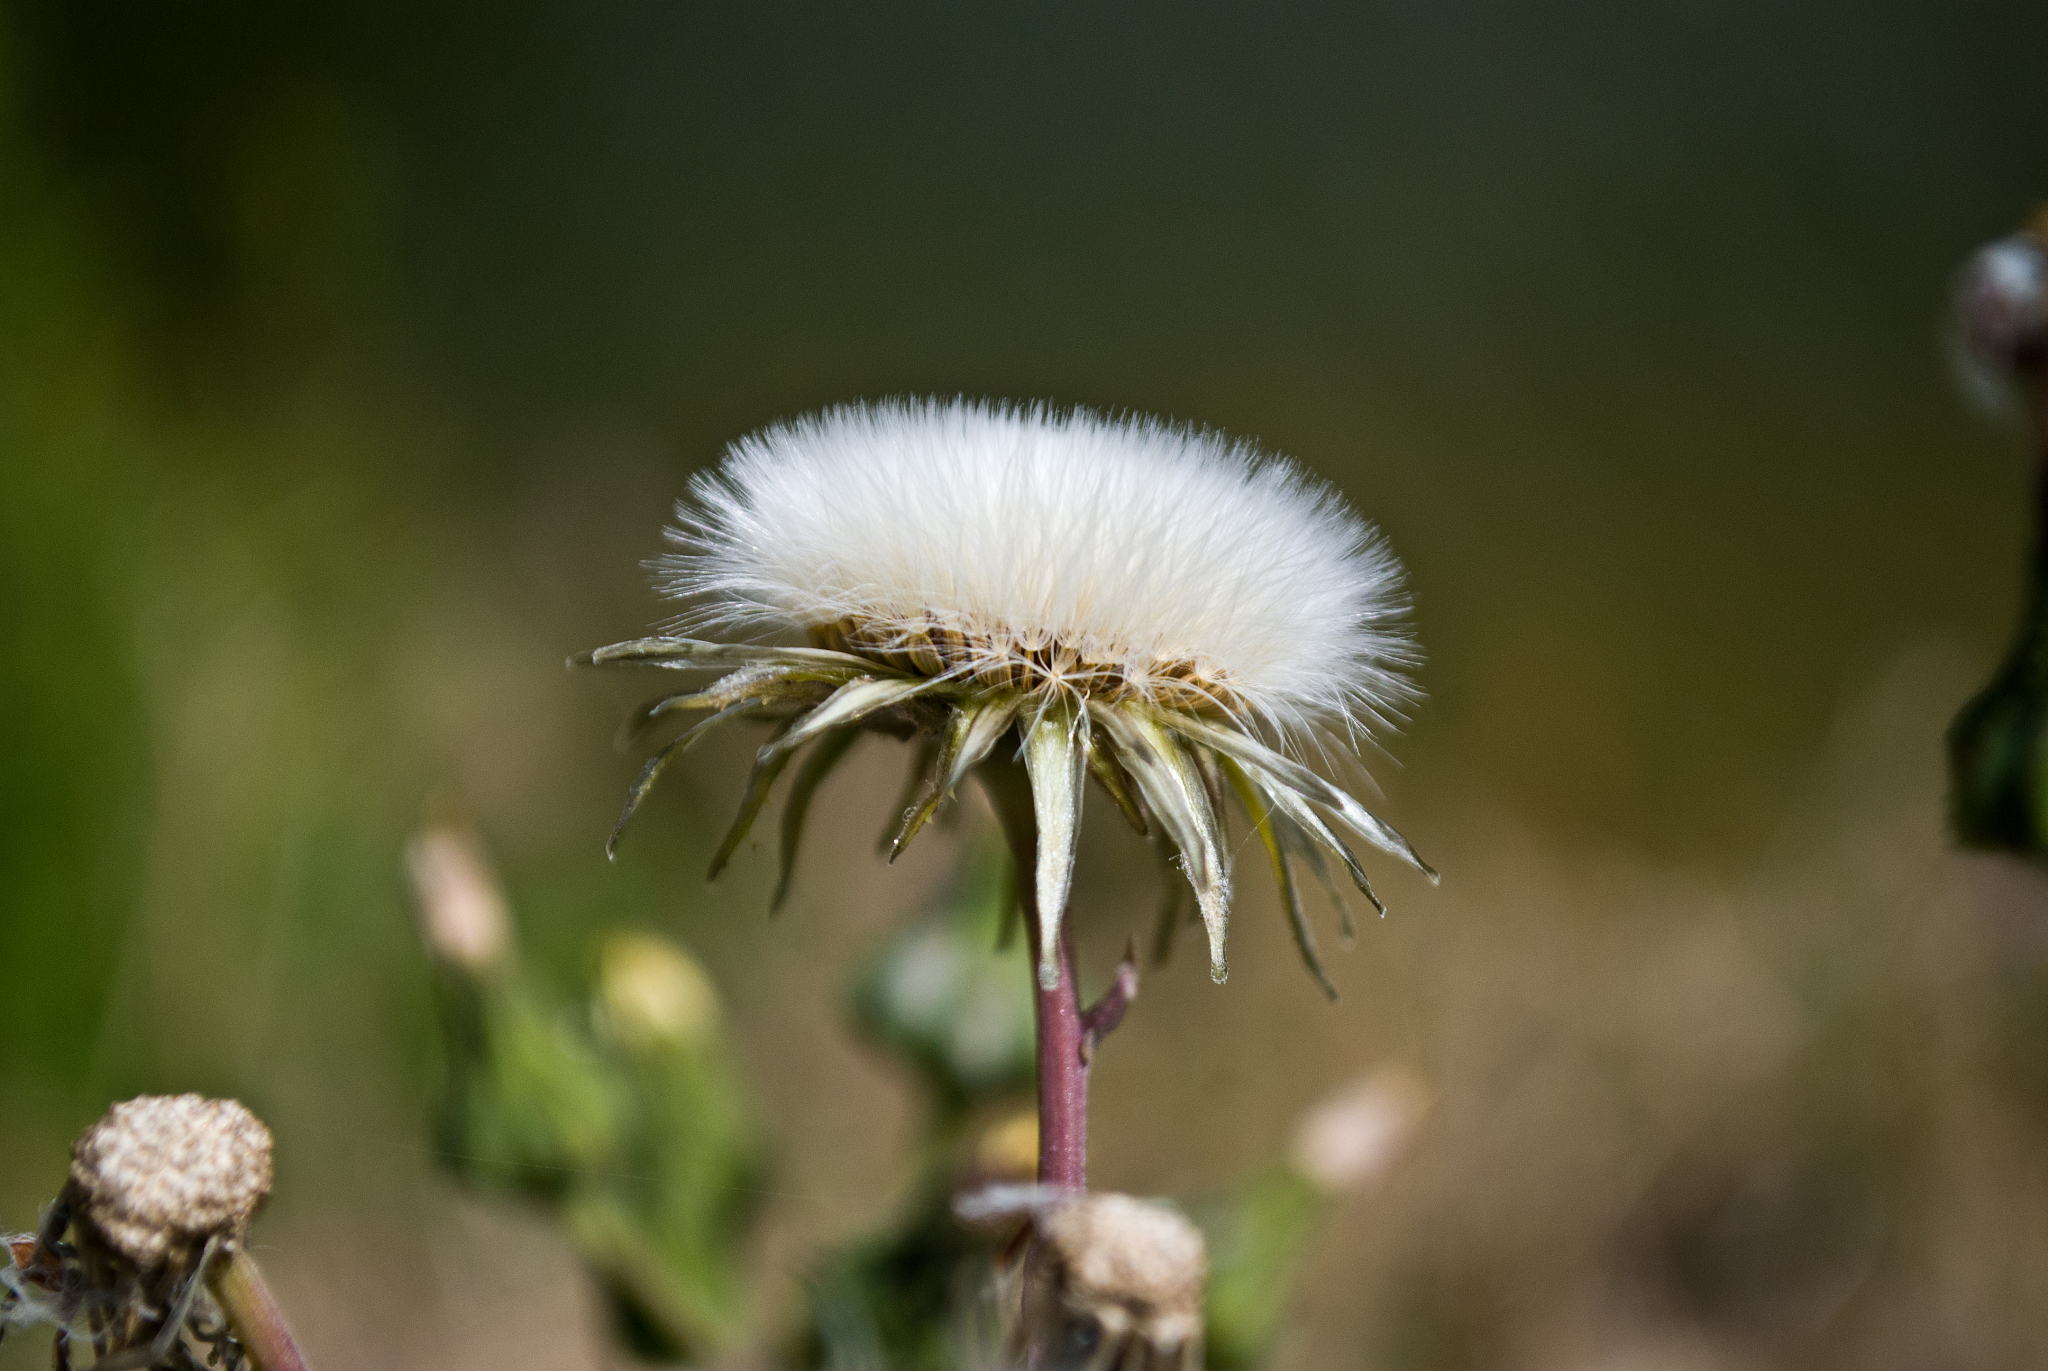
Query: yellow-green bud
{"points": [[653, 993]]}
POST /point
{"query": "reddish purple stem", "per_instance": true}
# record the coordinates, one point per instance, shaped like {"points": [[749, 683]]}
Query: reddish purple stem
{"points": [[1105, 1014], [1062, 1070], [1064, 1043]]}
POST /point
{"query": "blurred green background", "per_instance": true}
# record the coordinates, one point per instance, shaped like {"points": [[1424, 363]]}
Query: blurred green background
{"points": [[350, 356]]}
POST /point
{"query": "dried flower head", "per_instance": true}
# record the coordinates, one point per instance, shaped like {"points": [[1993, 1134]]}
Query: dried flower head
{"points": [[160, 1174], [1107, 1280], [1135, 1266], [1158, 607], [142, 1257]]}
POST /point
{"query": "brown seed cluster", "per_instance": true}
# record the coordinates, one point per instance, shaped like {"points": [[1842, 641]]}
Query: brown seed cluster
{"points": [[1051, 665], [160, 1174]]}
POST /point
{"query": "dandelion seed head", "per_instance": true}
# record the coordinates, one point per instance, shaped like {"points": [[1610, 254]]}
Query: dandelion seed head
{"points": [[1128, 602], [1059, 551]]}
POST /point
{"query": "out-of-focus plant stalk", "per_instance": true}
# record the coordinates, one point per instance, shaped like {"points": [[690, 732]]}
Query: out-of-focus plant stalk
{"points": [[1998, 745], [623, 1118]]}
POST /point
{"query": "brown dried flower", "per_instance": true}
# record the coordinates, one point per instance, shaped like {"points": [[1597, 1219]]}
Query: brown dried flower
{"points": [[1107, 1280], [161, 1174]]}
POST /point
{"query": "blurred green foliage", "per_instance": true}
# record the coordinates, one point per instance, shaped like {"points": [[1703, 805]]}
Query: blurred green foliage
{"points": [[946, 997], [1998, 743], [623, 1119], [1257, 1243], [950, 998]]}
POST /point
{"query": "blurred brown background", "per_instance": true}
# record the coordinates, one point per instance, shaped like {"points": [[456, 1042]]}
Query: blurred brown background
{"points": [[351, 354]]}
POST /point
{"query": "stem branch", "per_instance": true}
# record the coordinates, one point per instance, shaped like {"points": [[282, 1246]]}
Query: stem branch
{"points": [[1105, 1014]]}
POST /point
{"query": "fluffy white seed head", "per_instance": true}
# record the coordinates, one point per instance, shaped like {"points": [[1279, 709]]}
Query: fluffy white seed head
{"points": [[1046, 549]]}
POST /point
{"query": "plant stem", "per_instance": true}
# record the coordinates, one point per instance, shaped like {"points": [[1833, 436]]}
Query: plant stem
{"points": [[1062, 1075], [1062, 1056], [257, 1320]]}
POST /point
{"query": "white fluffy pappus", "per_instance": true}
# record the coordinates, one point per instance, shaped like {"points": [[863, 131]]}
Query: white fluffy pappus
{"points": [[1046, 548], [1049, 600]]}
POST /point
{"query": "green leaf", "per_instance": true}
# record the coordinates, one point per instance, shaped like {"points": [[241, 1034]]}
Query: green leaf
{"points": [[767, 684], [917, 781], [1301, 846], [683, 653], [1109, 773], [1312, 829], [1285, 771], [1173, 902], [768, 764], [848, 705], [971, 732]]}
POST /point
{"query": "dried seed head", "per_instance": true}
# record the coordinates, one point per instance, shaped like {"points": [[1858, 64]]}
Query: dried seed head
{"points": [[1132, 1268], [1053, 552], [160, 1174], [1150, 605]]}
